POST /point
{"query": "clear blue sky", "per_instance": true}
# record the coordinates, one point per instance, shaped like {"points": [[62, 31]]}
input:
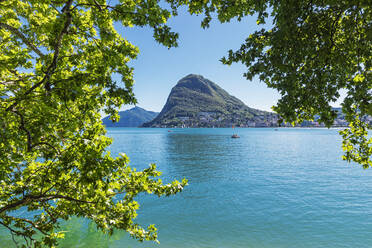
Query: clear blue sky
{"points": [[157, 69]]}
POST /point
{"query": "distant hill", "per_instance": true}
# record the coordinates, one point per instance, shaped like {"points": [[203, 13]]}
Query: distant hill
{"points": [[134, 117], [198, 102]]}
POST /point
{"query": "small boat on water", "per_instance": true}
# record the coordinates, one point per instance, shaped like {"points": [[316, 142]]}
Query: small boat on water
{"points": [[234, 136]]}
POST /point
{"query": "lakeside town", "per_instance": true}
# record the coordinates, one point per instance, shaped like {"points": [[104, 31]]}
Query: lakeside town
{"points": [[213, 119]]}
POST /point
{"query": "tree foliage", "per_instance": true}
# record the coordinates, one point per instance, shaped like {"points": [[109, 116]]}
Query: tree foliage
{"points": [[312, 52], [56, 64]]}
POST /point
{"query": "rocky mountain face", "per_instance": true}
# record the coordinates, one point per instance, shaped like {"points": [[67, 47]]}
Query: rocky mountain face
{"points": [[198, 102], [134, 117]]}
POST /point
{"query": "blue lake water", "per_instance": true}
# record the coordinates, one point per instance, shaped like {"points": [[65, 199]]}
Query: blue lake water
{"points": [[285, 188]]}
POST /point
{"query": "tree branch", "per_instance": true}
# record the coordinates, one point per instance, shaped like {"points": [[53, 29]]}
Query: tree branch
{"points": [[22, 127], [22, 37], [32, 224], [57, 47], [18, 233], [41, 198], [12, 82], [47, 144]]}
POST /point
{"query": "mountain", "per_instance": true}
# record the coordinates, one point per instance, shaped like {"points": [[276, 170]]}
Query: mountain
{"points": [[198, 102], [134, 117]]}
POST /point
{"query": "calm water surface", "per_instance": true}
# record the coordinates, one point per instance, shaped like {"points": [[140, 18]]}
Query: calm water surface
{"points": [[285, 188]]}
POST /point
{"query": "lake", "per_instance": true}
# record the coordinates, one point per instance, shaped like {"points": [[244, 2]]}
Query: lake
{"points": [[285, 188]]}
